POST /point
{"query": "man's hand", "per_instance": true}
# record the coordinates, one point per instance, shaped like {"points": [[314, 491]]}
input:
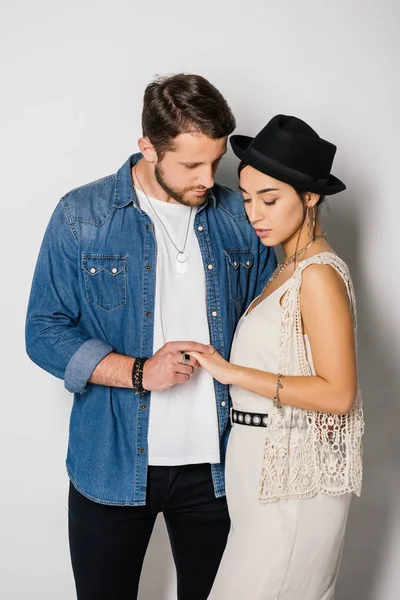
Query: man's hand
{"points": [[168, 366]]}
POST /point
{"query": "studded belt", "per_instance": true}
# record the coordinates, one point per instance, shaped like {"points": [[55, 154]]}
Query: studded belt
{"points": [[248, 418]]}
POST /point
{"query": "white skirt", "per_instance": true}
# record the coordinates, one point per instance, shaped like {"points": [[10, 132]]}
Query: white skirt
{"points": [[285, 550]]}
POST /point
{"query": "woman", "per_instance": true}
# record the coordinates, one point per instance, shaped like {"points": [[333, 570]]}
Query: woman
{"points": [[294, 453]]}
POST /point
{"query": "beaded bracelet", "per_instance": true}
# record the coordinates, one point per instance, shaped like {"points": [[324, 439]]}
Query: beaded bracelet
{"points": [[279, 386], [137, 375]]}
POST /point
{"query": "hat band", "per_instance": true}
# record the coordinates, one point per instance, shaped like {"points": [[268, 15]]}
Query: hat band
{"points": [[287, 170]]}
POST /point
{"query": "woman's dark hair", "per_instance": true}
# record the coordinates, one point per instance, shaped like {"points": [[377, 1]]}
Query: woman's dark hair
{"points": [[183, 104], [300, 193]]}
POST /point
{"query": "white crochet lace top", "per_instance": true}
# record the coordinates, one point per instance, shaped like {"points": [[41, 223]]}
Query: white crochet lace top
{"points": [[308, 452]]}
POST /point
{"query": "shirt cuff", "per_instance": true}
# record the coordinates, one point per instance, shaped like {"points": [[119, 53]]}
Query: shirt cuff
{"points": [[83, 363]]}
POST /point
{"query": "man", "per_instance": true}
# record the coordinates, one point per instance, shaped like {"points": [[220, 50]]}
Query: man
{"points": [[136, 270]]}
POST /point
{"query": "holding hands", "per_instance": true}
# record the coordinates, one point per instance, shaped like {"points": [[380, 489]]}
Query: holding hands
{"points": [[172, 364], [214, 364]]}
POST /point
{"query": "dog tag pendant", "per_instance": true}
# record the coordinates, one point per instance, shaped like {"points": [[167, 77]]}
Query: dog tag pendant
{"points": [[182, 263]]}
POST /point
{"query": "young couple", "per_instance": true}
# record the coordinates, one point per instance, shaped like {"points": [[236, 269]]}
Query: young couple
{"points": [[157, 299]]}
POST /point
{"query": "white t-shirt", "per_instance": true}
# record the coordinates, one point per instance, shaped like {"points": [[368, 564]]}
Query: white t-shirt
{"points": [[183, 426]]}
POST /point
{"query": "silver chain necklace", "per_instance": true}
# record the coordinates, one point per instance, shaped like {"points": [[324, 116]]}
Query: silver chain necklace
{"points": [[281, 267], [182, 255], [284, 263]]}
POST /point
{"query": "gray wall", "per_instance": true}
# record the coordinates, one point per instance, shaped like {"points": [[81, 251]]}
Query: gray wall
{"points": [[73, 75]]}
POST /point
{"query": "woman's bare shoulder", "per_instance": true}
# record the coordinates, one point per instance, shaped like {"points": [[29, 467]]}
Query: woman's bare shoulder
{"points": [[322, 280]]}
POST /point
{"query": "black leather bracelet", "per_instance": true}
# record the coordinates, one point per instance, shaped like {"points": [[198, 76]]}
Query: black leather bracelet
{"points": [[137, 375]]}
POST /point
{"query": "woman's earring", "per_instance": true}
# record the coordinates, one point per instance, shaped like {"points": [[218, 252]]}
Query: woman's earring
{"points": [[311, 222]]}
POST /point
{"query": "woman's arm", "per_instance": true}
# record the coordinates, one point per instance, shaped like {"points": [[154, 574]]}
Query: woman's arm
{"points": [[328, 322]]}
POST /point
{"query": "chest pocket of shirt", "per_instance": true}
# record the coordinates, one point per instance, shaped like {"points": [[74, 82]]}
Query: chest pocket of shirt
{"points": [[105, 280], [239, 265]]}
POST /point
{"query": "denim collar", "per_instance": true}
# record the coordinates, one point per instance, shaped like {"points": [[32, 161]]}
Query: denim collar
{"points": [[125, 192]]}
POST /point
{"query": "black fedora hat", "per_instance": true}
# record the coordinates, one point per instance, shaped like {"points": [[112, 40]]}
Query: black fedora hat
{"points": [[291, 151]]}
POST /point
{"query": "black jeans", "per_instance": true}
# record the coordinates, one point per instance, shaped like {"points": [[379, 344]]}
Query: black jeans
{"points": [[108, 543]]}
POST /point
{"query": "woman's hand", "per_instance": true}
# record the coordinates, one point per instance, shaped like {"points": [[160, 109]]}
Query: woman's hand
{"points": [[216, 365]]}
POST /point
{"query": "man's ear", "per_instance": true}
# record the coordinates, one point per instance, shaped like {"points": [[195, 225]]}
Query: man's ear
{"points": [[147, 149]]}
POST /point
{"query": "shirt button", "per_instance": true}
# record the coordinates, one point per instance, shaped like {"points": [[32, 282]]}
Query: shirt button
{"points": [[148, 313], [148, 267], [248, 263], [214, 313], [210, 267], [141, 450], [235, 264], [143, 407], [223, 403], [93, 270], [200, 228], [114, 270], [147, 227]]}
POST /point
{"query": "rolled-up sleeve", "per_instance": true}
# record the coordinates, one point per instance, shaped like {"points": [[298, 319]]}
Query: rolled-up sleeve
{"points": [[83, 363], [54, 339]]}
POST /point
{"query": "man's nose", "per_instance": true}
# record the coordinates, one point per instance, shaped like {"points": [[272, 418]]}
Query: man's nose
{"points": [[206, 178]]}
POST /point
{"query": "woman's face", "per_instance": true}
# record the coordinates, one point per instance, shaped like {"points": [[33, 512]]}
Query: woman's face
{"points": [[274, 209]]}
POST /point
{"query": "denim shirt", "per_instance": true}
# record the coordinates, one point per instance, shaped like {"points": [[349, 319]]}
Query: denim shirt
{"points": [[93, 293]]}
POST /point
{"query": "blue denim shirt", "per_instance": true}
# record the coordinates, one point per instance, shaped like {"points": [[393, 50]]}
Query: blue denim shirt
{"points": [[93, 292]]}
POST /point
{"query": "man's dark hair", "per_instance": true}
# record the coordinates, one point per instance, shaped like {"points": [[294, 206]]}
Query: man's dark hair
{"points": [[184, 104]]}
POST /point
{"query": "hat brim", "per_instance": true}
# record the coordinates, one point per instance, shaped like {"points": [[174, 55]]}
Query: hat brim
{"points": [[240, 145]]}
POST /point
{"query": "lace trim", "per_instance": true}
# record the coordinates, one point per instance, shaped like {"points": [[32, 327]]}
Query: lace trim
{"points": [[309, 452]]}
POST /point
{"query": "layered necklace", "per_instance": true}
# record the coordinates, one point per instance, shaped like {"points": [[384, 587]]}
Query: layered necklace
{"points": [[284, 263], [181, 254]]}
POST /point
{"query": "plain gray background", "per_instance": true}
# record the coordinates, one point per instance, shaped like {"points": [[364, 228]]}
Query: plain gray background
{"points": [[72, 79]]}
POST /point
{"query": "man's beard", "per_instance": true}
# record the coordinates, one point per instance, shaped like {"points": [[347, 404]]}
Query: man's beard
{"points": [[178, 195]]}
